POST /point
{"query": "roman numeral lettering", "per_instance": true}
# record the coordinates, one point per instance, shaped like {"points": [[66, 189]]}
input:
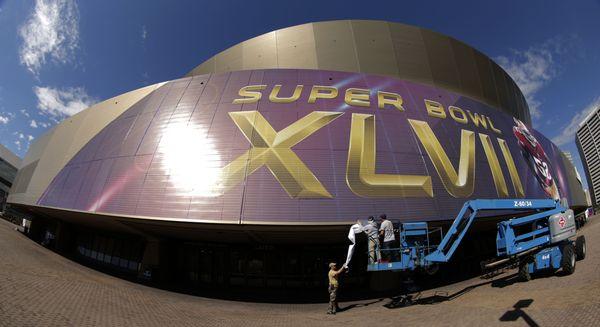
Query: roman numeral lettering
{"points": [[495, 169], [273, 150], [360, 168], [461, 184]]}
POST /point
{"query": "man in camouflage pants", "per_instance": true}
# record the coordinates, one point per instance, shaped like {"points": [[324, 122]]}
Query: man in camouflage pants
{"points": [[333, 287]]}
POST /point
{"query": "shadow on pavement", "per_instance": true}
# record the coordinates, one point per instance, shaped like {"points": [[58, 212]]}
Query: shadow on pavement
{"points": [[517, 312], [504, 282], [512, 279], [358, 305], [405, 300]]}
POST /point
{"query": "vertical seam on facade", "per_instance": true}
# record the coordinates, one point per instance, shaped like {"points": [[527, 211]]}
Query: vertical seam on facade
{"points": [[276, 49], [142, 139], [354, 47]]}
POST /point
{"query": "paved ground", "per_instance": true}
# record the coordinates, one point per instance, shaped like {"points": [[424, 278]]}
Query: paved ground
{"points": [[41, 288]]}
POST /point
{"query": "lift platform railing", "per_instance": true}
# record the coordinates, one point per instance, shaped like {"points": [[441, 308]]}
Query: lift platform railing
{"points": [[415, 243], [508, 243]]}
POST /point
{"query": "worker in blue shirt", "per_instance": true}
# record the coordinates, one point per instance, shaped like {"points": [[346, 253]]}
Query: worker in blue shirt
{"points": [[373, 236]]}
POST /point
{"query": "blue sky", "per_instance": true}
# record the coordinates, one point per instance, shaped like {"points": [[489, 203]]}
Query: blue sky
{"points": [[59, 56]]}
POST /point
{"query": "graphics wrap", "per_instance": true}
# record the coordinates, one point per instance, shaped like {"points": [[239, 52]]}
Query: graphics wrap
{"points": [[305, 147]]}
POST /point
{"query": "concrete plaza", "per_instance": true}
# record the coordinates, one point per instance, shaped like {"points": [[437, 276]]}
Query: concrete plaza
{"points": [[41, 288]]}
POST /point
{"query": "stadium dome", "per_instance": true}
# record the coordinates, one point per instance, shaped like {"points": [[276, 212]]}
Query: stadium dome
{"points": [[287, 138]]}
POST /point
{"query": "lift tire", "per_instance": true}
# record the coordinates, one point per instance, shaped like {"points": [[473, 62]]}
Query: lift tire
{"points": [[580, 247], [568, 259], [524, 274], [432, 269]]}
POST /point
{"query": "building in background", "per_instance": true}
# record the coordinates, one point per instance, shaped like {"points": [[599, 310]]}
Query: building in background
{"points": [[588, 198], [569, 156], [588, 144], [247, 173], [9, 164]]}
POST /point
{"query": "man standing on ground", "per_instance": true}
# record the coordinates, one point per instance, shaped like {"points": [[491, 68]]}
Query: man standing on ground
{"points": [[333, 287], [372, 234], [386, 230]]}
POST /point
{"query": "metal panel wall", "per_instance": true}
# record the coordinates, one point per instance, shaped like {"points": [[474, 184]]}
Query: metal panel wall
{"points": [[374, 47], [334, 46], [259, 52], [189, 152], [23, 178], [53, 150], [377, 47], [441, 60], [296, 47], [410, 52], [467, 69]]}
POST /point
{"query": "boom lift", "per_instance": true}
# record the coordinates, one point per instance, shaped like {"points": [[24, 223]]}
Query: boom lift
{"points": [[539, 237]]}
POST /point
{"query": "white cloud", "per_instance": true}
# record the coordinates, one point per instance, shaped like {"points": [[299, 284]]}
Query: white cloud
{"points": [[51, 31], [4, 119], [568, 132], [44, 125], [60, 103], [24, 112], [531, 70], [22, 140], [144, 32], [33, 124]]}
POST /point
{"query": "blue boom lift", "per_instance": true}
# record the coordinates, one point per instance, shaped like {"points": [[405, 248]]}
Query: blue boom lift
{"points": [[539, 236]]}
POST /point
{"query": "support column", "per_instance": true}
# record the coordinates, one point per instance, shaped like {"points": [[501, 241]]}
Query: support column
{"points": [[149, 266], [62, 237]]}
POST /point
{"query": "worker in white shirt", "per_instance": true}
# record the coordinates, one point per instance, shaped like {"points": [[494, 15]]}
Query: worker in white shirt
{"points": [[386, 231]]}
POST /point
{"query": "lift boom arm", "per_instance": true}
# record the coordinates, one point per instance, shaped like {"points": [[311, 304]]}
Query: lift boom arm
{"points": [[540, 207]]}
